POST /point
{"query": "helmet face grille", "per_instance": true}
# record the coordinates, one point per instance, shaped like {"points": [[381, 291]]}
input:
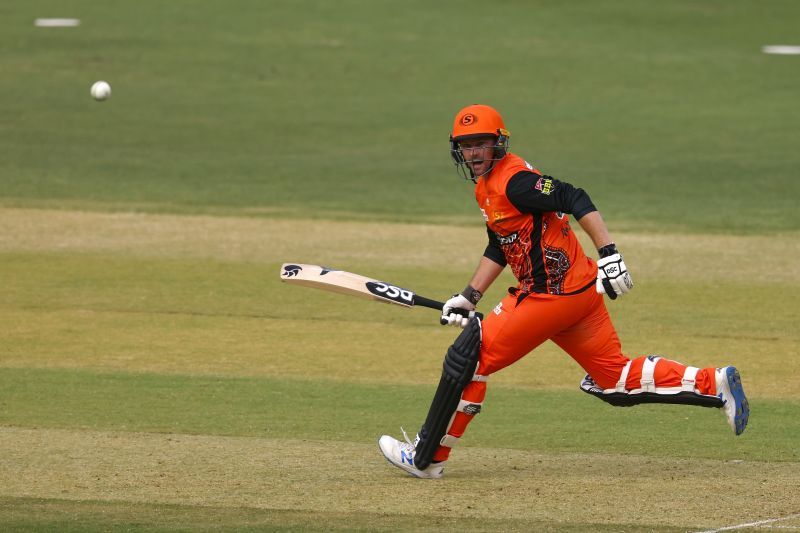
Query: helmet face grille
{"points": [[463, 168]]}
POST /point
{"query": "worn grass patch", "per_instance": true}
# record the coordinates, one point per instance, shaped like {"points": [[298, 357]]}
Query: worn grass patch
{"points": [[512, 487], [64, 515], [762, 259]]}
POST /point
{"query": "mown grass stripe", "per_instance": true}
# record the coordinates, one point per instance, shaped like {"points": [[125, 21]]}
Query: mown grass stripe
{"points": [[317, 409], [67, 516]]}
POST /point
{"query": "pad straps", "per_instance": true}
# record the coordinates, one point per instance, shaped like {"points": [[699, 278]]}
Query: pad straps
{"points": [[648, 381], [689, 377], [623, 378]]}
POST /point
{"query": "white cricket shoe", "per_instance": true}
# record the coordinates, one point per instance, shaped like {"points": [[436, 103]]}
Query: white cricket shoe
{"points": [[401, 455], [730, 391]]}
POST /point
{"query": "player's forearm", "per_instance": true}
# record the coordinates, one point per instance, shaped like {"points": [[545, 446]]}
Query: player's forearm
{"points": [[485, 274], [594, 226]]}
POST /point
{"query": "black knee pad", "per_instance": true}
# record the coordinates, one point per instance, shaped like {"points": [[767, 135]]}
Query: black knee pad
{"points": [[459, 367]]}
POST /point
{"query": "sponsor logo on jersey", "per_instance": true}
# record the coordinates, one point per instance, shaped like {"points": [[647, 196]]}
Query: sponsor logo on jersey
{"points": [[545, 185], [498, 308], [390, 292], [507, 239], [497, 216]]}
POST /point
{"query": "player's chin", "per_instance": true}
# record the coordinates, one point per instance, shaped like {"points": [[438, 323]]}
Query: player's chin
{"points": [[479, 168]]}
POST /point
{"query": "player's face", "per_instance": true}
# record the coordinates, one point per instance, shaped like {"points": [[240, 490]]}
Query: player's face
{"points": [[478, 153]]}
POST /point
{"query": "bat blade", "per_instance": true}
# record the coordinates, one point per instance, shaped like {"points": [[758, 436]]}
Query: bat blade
{"points": [[343, 282]]}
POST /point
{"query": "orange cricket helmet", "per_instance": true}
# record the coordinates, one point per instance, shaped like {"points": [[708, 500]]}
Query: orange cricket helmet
{"points": [[472, 122], [477, 121]]}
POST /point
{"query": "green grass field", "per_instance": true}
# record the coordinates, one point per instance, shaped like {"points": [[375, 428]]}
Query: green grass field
{"points": [[156, 375]]}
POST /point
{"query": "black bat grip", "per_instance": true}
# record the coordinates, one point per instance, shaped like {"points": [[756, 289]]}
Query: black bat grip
{"points": [[435, 304]]}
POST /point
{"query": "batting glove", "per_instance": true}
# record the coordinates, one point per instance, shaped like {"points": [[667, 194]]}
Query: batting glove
{"points": [[612, 274], [456, 311]]}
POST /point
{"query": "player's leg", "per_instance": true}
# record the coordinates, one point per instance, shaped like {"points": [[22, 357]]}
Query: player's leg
{"points": [[509, 333], [460, 367], [655, 379], [458, 370], [612, 377]]}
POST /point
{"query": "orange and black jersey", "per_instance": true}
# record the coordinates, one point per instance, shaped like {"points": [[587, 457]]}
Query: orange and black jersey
{"points": [[528, 227]]}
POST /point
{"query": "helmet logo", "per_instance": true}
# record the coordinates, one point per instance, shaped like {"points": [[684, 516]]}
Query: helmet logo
{"points": [[468, 119]]}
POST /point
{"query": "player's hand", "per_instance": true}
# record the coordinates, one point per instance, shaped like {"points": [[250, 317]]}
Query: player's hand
{"points": [[612, 276], [456, 311]]}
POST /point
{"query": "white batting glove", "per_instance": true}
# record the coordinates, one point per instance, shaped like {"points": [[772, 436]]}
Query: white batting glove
{"points": [[454, 309], [612, 276]]}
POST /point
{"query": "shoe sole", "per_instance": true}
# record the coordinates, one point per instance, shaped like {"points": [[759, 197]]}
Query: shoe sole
{"points": [[741, 404]]}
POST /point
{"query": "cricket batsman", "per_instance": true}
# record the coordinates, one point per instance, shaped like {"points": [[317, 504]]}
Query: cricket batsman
{"points": [[559, 296]]}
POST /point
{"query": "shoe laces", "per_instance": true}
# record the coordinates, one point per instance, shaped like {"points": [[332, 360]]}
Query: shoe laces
{"points": [[411, 446]]}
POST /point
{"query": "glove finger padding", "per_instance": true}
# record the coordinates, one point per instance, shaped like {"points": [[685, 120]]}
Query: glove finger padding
{"points": [[457, 320], [617, 286], [627, 281], [456, 311], [622, 283], [612, 276]]}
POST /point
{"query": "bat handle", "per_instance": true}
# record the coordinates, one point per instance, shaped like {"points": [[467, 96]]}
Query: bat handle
{"points": [[435, 304]]}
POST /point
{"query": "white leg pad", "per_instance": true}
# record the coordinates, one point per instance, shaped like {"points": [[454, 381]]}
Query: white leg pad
{"points": [[449, 440], [689, 376], [466, 407], [686, 393]]}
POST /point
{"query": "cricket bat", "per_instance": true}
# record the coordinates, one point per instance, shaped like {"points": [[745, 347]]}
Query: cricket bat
{"points": [[329, 279]]}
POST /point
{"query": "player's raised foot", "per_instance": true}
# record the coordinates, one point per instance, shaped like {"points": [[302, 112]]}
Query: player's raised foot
{"points": [[401, 455], [730, 391]]}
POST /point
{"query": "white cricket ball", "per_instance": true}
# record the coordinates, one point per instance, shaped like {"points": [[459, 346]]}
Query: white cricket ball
{"points": [[100, 90]]}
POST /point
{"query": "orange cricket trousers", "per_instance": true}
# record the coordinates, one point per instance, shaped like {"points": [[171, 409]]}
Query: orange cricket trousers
{"points": [[581, 326]]}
